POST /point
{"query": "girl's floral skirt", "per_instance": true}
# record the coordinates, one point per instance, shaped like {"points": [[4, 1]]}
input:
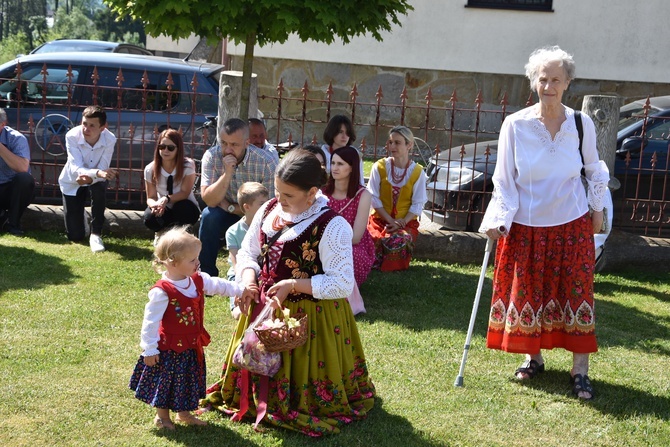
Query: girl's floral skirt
{"points": [[320, 387], [176, 382], [543, 289]]}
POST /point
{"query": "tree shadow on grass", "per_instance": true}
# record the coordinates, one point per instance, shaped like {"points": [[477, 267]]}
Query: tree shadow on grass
{"points": [[618, 325], [425, 297], [604, 287], [128, 249], [211, 434], [619, 401], [379, 429], [428, 296], [24, 268]]}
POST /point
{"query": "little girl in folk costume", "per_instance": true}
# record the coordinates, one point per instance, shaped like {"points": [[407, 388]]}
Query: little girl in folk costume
{"points": [[170, 374]]}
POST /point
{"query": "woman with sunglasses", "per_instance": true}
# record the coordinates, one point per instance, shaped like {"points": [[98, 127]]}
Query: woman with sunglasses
{"points": [[169, 181]]}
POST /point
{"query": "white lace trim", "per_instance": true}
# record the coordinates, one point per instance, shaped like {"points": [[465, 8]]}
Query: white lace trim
{"points": [[597, 185], [502, 208], [335, 249], [567, 129]]}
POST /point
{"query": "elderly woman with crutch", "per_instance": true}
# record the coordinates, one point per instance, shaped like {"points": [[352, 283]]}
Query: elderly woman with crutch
{"points": [[544, 262]]}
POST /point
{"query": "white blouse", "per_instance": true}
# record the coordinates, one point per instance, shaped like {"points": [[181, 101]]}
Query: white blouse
{"points": [[161, 185], [419, 196], [158, 303], [537, 180], [335, 250]]}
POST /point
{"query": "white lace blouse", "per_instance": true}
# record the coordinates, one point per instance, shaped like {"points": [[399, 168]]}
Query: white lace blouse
{"points": [[335, 250], [537, 180]]}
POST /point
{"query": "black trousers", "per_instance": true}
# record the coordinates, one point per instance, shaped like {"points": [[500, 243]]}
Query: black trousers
{"points": [[73, 208], [183, 212], [15, 196]]}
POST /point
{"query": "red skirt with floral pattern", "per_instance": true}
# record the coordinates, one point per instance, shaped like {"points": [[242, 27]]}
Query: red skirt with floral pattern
{"points": [[543, 289]]}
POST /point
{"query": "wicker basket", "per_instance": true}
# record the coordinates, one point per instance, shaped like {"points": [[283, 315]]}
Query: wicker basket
{"points": [[282, 338]]}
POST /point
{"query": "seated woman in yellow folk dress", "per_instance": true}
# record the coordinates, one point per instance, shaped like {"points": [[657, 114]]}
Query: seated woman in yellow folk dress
{"points": [[398, 188]]}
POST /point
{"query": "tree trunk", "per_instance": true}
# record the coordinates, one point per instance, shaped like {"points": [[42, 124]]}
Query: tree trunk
{"points": [[247, 70], [604, 110], [230, 97]]}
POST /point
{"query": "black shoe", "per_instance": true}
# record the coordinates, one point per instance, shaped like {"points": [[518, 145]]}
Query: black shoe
{"points": [[14, 230], [3, 219]]}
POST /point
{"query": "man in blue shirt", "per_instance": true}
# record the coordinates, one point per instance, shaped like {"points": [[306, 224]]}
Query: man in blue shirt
{"points": [[16, 183]]}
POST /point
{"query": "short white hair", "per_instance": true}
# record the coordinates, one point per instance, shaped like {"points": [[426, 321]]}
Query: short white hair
{"points": [[541, 57]]}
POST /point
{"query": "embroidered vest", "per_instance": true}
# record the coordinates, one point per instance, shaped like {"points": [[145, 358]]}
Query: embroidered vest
{"points": [[182, 325], [299, 257], [404, 200]]}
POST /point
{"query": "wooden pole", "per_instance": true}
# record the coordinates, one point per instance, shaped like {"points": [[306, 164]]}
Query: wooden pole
{"points": [[604, 111], [230, 96]]}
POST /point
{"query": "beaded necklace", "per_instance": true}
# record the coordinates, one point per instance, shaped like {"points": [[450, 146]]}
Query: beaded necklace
{"points": [[397, 179]]}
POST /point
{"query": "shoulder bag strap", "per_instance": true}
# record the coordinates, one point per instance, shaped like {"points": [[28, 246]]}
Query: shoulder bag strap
{"points": [[580, 133]]}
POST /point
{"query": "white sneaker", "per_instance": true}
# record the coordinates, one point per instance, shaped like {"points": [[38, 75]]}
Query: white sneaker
{"points": [[96, 244], [156, 237]]}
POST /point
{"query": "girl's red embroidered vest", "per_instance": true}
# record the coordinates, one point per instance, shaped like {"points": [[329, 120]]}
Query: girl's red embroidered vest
{"points": [[182, 325], [299, 258]]}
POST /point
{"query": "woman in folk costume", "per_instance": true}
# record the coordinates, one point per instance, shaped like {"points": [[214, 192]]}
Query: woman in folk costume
{"points": [[299, 251], [351, 200], [543, 279], [398, 188]]}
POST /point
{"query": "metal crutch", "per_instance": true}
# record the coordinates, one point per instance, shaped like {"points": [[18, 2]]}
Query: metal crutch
{"points": [[480, 285]]}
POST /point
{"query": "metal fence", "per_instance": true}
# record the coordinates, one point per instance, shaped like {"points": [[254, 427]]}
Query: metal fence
{"points": [[461, 136]]}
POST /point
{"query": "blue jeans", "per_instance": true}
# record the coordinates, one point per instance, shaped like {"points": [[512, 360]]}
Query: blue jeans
{"points": [[214, 222]]}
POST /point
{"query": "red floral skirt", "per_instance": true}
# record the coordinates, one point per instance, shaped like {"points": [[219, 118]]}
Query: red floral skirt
{"points": [[543, 289], [393, 251]]}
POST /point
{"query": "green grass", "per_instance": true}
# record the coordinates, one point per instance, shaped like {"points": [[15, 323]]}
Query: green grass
{"points": [[70, 332]]}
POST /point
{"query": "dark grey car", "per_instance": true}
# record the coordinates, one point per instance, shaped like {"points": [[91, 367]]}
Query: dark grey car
{"points": [[44, 95]]}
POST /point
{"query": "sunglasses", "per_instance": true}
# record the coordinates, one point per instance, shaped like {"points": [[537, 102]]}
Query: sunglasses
{"points": [[169, 147]]}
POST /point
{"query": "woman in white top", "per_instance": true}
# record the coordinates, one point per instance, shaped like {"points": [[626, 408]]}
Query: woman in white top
{"points": [[299, 252], [169, 181], [543, 280], [398, 188]]}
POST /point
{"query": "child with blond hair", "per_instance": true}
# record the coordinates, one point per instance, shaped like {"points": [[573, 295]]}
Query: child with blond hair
{"points": [[170, 374], [250, 196]]}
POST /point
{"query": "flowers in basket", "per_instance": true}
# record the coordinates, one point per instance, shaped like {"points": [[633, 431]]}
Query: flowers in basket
{"points": [[252, 355], [283, 334]]}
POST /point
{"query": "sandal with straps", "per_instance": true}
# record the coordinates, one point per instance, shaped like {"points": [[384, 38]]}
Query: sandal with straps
{"points": [[582, 383], [531, 368]]}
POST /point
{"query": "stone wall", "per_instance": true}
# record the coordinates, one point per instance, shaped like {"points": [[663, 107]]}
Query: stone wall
{"points": [[296, 74]]}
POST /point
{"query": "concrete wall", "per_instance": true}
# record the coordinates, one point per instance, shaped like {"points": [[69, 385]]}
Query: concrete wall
{"points": [[294, 74], [618, 40], [165, 46]]}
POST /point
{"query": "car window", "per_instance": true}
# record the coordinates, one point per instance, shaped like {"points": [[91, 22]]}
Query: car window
{"points": [[134, 92], [659, 129], [632, 113], [37, 87]]}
